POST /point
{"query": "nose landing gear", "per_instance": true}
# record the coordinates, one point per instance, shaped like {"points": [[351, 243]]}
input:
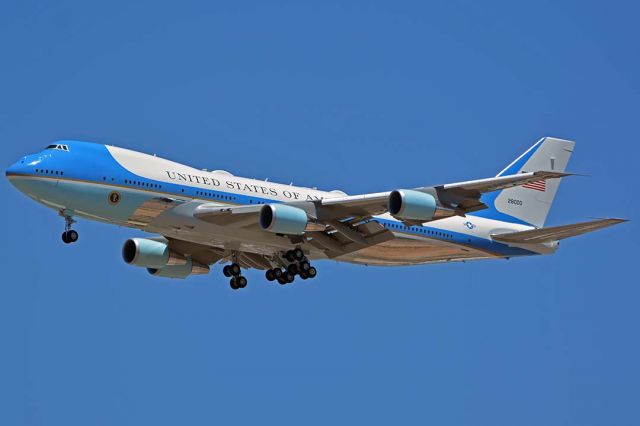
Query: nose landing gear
{"points": [[69, 235]]}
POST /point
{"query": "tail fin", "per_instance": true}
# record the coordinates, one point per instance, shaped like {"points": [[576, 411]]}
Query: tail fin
{"points": [[530, 203]]}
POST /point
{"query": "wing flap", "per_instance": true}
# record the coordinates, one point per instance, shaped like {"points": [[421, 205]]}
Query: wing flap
{"points": [[555, 233]]}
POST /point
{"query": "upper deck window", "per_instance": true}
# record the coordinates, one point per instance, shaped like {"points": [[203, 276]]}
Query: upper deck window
{"points": [[59, 147]]}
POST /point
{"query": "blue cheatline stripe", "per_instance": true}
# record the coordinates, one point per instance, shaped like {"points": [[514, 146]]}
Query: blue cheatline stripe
{"points": [[492, 213], [455, 237]]}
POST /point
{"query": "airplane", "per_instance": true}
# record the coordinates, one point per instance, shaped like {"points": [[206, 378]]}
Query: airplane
{"points": [[200, 218]]}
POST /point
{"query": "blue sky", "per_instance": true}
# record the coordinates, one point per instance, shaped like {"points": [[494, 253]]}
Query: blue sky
{"points": [[358, 96]]}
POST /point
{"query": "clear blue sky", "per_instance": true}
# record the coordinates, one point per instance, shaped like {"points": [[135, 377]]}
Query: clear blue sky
{"points": [[359, 96]]}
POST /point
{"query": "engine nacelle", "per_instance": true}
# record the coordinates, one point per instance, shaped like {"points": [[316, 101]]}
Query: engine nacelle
{"points": [[150, 253], [283, 219], [408, 204], [191, 267]]}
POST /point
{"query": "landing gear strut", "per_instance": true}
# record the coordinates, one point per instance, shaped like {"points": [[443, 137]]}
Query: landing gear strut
{"points": [[69, 235], [235, 272]]}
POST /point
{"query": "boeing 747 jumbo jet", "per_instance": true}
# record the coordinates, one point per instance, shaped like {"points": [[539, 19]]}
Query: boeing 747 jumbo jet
{"points": [[205, 217]]}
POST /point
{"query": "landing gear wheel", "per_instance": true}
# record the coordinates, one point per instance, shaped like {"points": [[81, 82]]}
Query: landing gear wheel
{"points": [[289, 278], [241, 281], [298, 254], [277, 273], [312, 272], [234, 269], [304, 275], [72, 236], [233, 283], [292, 269], [304, 266], [270, 275], [226, 271], [281, 280]]}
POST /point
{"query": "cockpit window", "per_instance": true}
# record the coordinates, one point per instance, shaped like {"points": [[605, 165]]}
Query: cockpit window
{"points": [[58, 147]]}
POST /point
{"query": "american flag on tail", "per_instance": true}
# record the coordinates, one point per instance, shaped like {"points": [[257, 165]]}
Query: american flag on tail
{"points": [[539, 185]]}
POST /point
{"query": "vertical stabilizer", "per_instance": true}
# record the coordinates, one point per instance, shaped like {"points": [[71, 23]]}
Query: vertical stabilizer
{"points": [[530, 203]]}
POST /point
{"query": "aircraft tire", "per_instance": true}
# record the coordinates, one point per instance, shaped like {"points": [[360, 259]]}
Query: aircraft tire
{"points": [[292, 269], [241, 281], [312, 272], [226, 271], [298, 254], [235, 270], [72, 236], [233, 283]]}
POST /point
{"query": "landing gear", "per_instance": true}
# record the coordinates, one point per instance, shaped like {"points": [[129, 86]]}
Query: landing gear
{"points": [[286, 278], [232, 270], [310, 273], [299, 265], [273, 274], [69, 235], [291, 263], [294, 255], [237, 280]]}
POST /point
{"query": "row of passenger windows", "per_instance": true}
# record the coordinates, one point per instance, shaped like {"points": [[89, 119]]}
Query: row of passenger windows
{"points": [[49, 172], [214, 195], [139, 183], [420, 230]]}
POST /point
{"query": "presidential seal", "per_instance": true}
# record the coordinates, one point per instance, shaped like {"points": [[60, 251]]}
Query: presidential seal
{"points": [[114, 197]]}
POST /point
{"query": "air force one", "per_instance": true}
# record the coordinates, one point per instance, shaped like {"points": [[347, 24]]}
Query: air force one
{"points": [[202, 217]]}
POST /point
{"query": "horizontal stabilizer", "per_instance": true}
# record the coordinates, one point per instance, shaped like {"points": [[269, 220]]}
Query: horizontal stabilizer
{"points": [[555, 233]]}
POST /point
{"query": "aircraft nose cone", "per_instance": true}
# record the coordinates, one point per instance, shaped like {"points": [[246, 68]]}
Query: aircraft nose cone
{"points": [[14, 168], [14, 171]]}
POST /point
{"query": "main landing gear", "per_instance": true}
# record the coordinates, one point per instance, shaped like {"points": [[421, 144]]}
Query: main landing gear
{"points": [[237, 280], [299, 265], [69, 235]]}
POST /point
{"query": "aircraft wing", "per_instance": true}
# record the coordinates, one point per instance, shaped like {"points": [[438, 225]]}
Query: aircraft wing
{"points": [[462, 196], [466, 195], [555, 233]]}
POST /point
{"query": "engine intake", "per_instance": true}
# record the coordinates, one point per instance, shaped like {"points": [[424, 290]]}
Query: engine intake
{"points": [[283, 219], [150, 253], [409, 204]]}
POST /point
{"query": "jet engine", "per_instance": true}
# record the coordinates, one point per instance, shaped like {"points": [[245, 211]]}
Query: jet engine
{"points": [[150, 253], [283, 219], [407, 204], [160, 261]]}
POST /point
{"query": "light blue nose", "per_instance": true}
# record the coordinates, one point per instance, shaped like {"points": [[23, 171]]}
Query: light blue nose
{"points": [[15, 168]]}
